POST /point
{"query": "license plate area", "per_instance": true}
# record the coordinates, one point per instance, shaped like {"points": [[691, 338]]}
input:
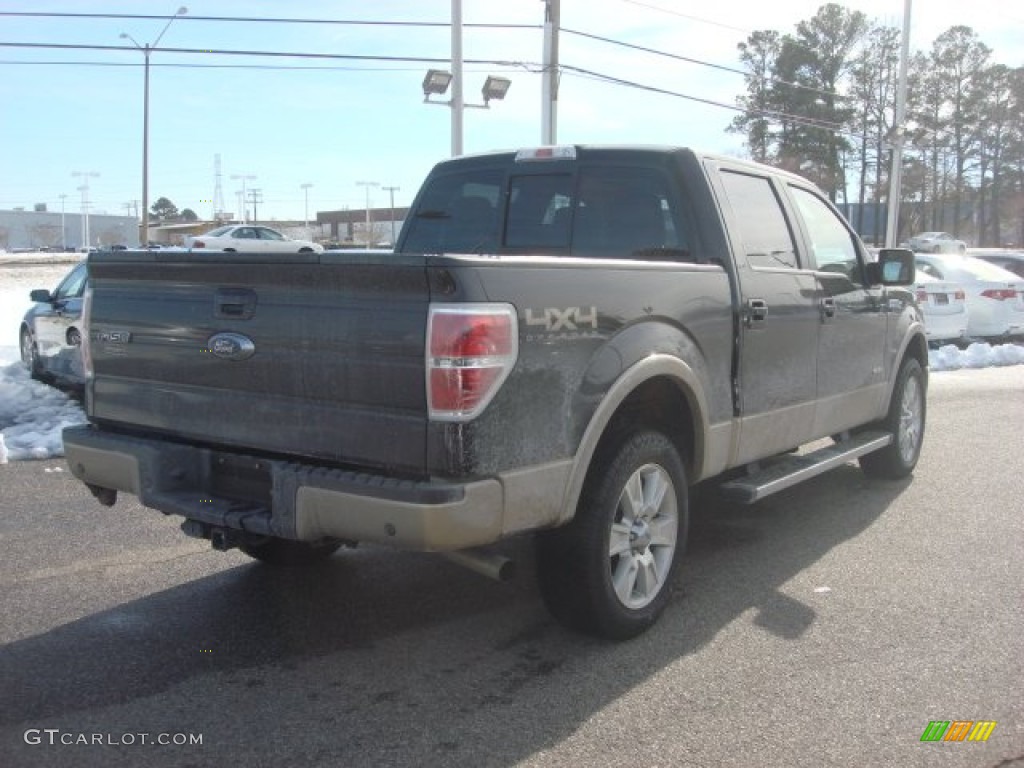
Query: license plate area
{"points": [[240, 477], [941, 299]]}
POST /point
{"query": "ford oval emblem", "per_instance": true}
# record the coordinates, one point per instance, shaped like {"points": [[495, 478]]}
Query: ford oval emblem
{"points": [[231, 346]]}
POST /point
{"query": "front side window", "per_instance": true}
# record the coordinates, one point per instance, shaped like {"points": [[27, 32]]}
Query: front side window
{"points": [[767, 241], [72, 286], [831, 242], [269, 234]]}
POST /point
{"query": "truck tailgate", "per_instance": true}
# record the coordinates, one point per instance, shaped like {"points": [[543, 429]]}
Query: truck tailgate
{"points": [[315, 355]]}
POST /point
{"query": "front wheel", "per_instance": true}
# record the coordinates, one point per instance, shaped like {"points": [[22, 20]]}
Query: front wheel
{"points": [[610, 571], [288, 553], [905, 421], [30, 354]]}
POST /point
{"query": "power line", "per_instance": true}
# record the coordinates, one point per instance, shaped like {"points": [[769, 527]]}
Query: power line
{"points": [[257, 20], [690, 60], [808, 122], [272, 54]]}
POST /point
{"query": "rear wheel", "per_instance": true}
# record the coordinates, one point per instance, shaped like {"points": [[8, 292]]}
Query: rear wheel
{"points": [[610, 571], [906, 422], [288, 553]]}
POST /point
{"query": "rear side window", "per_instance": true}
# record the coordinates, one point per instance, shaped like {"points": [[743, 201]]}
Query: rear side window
{"points": [[458, 213], [767, 240], [624, 212]]}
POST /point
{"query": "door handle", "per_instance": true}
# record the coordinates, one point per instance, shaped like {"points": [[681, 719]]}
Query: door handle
{"points": [[757, 312], [828, 308]]}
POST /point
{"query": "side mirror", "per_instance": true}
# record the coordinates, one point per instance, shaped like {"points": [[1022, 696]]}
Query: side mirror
{"points": [[895, 266], [41, 296]]}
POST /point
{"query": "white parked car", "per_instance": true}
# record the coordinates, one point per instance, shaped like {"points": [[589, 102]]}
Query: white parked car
{"points": [[995, 297], [944, 305], [250, 238], [936, 242]]}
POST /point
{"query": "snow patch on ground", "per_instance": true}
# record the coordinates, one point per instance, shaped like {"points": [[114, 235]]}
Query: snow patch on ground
{"points": [[951, 358], [32, 416]]}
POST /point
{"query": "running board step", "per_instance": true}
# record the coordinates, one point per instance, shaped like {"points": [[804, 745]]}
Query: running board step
{"points": [[789, 471]]}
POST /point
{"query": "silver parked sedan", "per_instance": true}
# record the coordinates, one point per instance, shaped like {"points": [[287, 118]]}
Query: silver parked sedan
{"points": [[51, 331], [936, 242]]}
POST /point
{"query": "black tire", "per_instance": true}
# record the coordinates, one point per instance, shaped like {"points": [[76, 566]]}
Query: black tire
{"points": [[288, 553], [30, 354], [906, 422], [610, 571]]}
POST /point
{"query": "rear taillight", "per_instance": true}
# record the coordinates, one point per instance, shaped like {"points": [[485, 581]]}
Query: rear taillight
{"points": [[960, 296], [922, 297], [999, 294], [471, 349], [86, 345], [198, 244]]}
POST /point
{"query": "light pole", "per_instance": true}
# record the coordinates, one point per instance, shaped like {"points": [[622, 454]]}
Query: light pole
{"points": [[146, 49], [437, 81], [391, 191], [367, 184], [244, 178], [305, 190], [84, 189], [63, 231]]}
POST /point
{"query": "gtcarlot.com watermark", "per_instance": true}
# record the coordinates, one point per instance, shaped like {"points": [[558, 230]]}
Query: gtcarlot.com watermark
{"points": [[58, 737]]}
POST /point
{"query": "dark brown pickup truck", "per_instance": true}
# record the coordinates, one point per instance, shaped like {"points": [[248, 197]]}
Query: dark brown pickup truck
{"points": [[564, 341]]}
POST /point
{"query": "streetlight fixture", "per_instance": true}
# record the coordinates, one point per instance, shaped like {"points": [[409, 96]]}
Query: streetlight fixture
{"points": [[368, 184], [146, 50], [305, 190], [63, 231], [436, 83], [84, 189]]}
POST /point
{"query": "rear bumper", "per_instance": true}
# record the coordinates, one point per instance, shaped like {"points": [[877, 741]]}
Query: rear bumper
{"points": [[287, 499]]}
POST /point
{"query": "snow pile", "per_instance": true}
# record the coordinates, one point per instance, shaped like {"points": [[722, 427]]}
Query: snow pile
{"points": [[32, 416], [951, 358]]}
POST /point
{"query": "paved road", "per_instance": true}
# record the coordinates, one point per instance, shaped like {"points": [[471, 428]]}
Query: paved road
{"points": [[826, 626]]}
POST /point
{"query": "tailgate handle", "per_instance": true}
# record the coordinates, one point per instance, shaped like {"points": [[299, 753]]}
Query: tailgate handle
{"points": [[234, 303]]}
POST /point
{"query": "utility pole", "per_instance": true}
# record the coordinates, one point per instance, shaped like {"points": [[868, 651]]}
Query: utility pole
{"points": [[255, 196], [305, 189], [899, 132], [549, 81], [242, 199], [391, 191], [457, 100], [368, 184]]}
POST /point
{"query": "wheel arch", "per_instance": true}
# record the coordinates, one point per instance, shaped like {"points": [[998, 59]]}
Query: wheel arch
{"points": [[659, 392]]}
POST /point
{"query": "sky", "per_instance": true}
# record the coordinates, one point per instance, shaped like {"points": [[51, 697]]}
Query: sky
{"points": [[332, 123]]}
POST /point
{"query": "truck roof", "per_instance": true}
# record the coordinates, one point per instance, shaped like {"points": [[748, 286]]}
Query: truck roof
{"points": [[560, 153]]}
